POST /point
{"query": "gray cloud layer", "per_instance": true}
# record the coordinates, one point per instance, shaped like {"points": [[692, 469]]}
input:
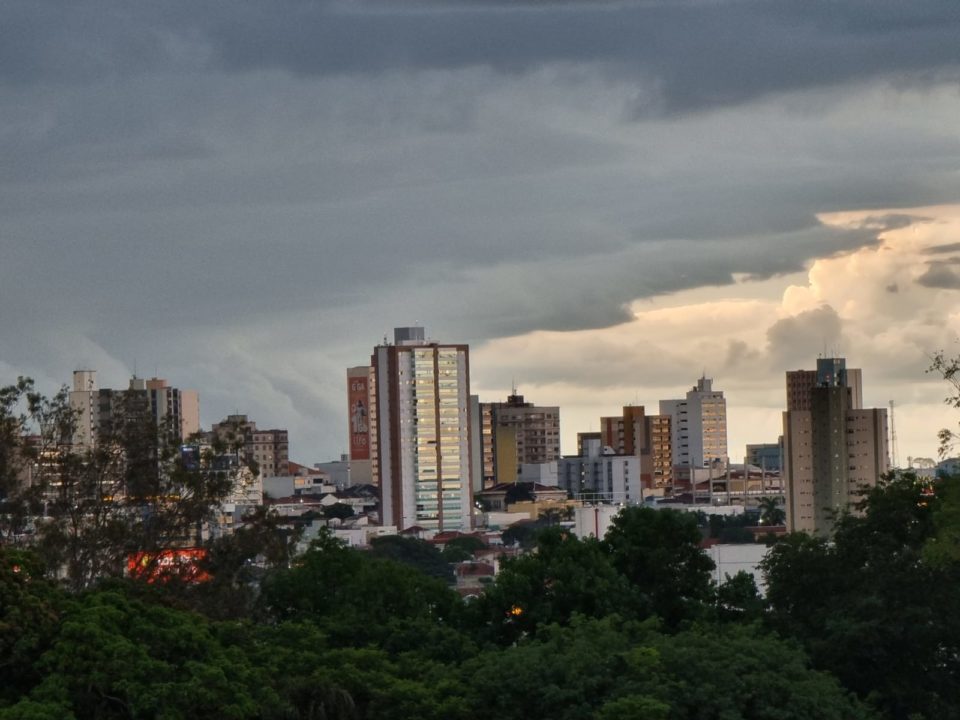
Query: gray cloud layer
{"points": [[247, 196], [700, 54]]}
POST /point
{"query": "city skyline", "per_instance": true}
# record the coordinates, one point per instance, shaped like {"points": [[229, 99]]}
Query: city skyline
{"points": [[604, 200], [593, 424]]}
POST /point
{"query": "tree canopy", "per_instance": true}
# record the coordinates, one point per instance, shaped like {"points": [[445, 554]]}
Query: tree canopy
{"points": [[631, 626], [872, 606]]}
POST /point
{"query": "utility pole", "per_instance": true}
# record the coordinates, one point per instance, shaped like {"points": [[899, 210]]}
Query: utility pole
{"points": [[893, 439]]}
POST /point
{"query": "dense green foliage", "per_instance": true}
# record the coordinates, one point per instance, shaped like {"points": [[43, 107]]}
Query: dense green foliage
{"points": [[417, 553], [462, 548], [86, 508], [343, 634], [860, 627], [865, 625], [877, 606]]}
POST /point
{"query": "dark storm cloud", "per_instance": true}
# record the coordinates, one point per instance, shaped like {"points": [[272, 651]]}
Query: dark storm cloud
{"points": [[699, 54], [595, 290], [940, 275], [250, 195], [891, 221], [943, 249]]}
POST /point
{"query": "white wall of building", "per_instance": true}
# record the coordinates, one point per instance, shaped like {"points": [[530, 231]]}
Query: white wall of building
{"points": [[731, 559]]}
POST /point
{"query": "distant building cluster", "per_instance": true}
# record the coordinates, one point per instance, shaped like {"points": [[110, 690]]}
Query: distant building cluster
{"points": [[95, 407], [427, 457], [434, 451]]}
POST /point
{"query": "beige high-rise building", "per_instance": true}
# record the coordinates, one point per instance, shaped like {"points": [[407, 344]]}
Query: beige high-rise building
{"points": [[517, 433], [179, 408], [698, 425], [661, 450], [537, 427], [832, 447], [648, 437], [507, 459], [422, 451], [486, 444], [800, 383]]}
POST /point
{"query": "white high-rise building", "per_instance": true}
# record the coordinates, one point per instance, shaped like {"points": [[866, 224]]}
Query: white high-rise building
{"points": [[698, 425], [421, 452]]}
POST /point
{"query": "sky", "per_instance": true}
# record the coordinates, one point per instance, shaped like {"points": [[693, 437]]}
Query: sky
{"points": [[606, 200]]}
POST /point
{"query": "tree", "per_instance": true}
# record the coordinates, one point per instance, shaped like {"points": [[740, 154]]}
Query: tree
{"points": [[293, 659], [739, 599], [462, 548], [114, 657], [30, 609], [88, 509], [949, 369], [659, 552], [234, 565], [518, 492], [353, 596], [739, 672], [870, 607], [33, 432], [942, 549], [565, 577], [339, 511], [611, 669], [771, 512], [414, 552], [523, 533]]}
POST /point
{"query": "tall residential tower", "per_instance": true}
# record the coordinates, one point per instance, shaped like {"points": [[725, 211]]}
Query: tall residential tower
{"points": [[833, 448], [420, 405]]}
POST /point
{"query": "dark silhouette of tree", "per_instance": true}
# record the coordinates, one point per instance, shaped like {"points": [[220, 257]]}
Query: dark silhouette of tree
{"points": [[659, 552], [339, 511], [416, 553], [462, 548], [871, 607], [564, 577], [771, 512], [87, 510]]}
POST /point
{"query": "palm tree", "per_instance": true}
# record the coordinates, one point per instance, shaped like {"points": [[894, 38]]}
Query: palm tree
{"points": [[770, 511]]}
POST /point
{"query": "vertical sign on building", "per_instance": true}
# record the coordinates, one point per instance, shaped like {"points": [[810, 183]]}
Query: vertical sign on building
{"points": [[358, 412]]}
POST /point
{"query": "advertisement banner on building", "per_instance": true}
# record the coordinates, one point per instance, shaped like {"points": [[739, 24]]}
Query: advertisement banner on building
{"points": [[358, 413]]}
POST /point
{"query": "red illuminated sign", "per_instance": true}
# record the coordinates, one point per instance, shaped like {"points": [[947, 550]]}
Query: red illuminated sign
{"points": [[182, 564]]}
